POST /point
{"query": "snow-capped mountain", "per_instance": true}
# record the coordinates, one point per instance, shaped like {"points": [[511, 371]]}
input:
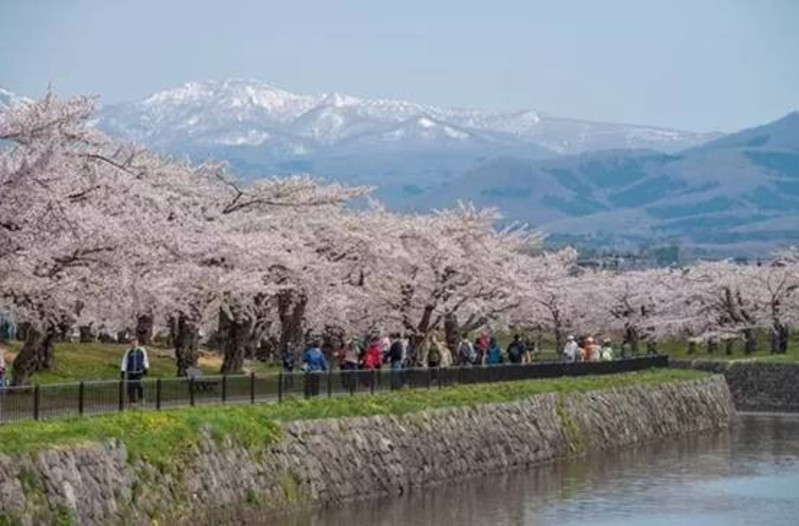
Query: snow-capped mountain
{"points": [[251, 113]]}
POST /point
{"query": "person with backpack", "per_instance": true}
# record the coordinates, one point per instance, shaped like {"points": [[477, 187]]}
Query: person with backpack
{"points": [[349, 365], [314, 363], [135, 366], [396, 356], [516, 350], [494, 356], [466, 353]]}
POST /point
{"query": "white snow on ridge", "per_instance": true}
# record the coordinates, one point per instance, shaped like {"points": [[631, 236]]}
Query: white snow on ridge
{"points": [[250, 110]]}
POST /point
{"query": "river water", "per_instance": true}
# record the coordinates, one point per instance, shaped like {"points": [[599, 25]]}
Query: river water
{"points": [[747, 475]]}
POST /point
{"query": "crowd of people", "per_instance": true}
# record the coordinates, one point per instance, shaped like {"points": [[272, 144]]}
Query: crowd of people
{"points": [[587, 350], [397, 352]]}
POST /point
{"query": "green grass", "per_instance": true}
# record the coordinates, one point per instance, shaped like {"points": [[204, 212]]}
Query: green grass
{"points": [[101, 361], [679, 349], [164, 436]]}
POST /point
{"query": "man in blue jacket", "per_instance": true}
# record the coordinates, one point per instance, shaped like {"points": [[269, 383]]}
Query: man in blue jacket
{"points": [[315, 364], [135, 365]]}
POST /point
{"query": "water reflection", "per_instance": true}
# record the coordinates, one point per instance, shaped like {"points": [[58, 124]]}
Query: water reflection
{"points": [[749, 475]]}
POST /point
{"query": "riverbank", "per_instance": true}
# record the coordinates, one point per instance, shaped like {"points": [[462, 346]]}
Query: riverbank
{"points": [[755, 386], [745, 475], [201, 466]]}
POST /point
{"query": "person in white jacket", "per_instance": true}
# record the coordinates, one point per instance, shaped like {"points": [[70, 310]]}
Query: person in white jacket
{"points": [[570, 350], [135, 365]]}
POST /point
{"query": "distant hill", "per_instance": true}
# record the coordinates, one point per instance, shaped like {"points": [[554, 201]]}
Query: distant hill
{"points": [[736, 194]]}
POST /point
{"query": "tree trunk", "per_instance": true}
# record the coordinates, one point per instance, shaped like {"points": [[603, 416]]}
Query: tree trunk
{"points": [[559, 340], [691, 347], [235, 331], [728, 346], [784, 334], [779, 338], [712, 346], [291, 311], [144, 328], [750, 341], [185, 337], [651, 347], [631, 337], [36, 354], [452, 335]]}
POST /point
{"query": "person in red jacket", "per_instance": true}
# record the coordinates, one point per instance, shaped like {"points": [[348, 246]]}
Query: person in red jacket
{"points": [[373, 358]]}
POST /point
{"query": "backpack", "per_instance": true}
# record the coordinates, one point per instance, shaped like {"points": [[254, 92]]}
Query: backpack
{"points": [[135, 363]]}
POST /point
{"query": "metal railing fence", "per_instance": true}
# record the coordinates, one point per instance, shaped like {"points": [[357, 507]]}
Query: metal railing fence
{"points": [[39, 402]]}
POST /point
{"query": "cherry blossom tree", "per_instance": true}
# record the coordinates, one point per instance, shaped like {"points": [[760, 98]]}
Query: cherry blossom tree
{"points": [[421, 273], [70, 222]]}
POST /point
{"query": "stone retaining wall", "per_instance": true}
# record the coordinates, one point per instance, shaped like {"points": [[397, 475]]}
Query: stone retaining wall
{"points": [[326, 462], [755, 386]]}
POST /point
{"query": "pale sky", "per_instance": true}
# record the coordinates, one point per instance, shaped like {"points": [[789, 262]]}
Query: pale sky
{"points": [[692, 64]]}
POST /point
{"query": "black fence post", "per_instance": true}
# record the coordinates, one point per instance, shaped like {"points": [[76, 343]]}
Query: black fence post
{"points": [[37, 401], [330, 383], [158, 394], [224, 388], [252, 387], [280, 386], [122, 395], [81, 397], [191, 391]]}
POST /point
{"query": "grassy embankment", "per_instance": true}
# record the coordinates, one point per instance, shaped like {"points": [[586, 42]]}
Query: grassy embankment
{"points": [[679, 349], [162, 437], [100, 361]]}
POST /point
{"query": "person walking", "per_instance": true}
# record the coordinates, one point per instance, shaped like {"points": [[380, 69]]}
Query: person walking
{"points": [[494, 356], [466, 353], [445, 356], [433, 354], [314, 364], [480, 351], [591, 350], [516, 350], [135, 365], [373, 357], [349, 364], [396, 355], [571, 350], [606, 351]]}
